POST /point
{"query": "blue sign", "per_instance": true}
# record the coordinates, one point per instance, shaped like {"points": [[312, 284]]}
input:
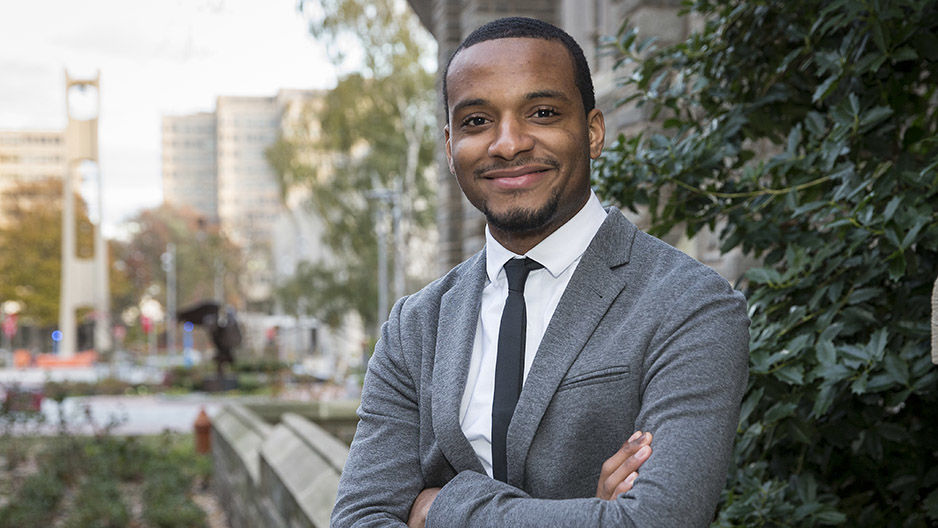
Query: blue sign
{"points": [[57, 336], [188, 326]]}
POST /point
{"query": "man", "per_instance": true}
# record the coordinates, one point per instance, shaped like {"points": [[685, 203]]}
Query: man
{"points": [[507, 392]]}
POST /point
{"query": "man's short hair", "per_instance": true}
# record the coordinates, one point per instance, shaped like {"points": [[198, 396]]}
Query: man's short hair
{"points": [[522, 27]]}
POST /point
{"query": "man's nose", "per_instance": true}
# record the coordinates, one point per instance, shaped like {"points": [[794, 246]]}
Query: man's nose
{"points": [[511, 138]]}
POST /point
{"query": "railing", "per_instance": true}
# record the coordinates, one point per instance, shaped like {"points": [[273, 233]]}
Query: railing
{"points": [[284, 475]]}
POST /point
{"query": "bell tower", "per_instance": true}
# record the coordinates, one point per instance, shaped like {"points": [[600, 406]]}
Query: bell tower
{"points": [[84, 276]]}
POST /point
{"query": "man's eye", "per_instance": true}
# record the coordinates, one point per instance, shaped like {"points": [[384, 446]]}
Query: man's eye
{"points": [[544, 113], [473, 121]]}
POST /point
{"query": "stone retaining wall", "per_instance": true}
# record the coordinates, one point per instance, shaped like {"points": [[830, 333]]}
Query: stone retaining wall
{"points": [[278, 476]]}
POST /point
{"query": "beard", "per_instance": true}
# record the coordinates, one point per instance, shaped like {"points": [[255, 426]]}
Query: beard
{"points": [[524, 220]]}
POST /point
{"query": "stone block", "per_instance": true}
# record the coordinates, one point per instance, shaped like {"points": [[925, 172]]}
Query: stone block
{"points": [[661, 22], [283, 476]]}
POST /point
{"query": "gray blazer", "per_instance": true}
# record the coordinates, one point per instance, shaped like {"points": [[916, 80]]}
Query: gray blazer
{"points": [[644, 337]]}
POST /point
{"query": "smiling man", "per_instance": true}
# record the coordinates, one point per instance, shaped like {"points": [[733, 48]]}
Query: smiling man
{"points": [[523, 387]]}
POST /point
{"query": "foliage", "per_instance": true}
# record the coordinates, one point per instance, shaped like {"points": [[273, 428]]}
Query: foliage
{"points": [[98, 505], [99, 471], [804, 132], [31, 247], [35, 503], [201, 252], [373, 130], [168, 477], [59, 390]]}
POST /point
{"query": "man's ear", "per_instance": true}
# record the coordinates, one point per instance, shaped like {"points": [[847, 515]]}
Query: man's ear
{"points": [[447, 146], [596, 124]]}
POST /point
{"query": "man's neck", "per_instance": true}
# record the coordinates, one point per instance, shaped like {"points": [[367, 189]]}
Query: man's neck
{"points": [[520, 242]]}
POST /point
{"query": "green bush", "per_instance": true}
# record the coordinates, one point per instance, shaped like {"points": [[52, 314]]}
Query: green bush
{"points": [[95, 467], [98, 504], [36, 501], [174, 512], [166, 496], [804, 133]]}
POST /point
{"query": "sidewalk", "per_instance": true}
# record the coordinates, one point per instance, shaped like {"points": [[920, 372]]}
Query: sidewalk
{"points": [[126, 415]]}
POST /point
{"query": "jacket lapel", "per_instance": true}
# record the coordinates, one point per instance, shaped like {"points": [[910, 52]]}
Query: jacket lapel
{"points": [[459, 313], [595, 284]]}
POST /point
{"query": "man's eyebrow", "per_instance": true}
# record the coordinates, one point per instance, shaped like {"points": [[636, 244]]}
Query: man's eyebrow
{"points": [[540, 94], [547, 94], [468, 102]]}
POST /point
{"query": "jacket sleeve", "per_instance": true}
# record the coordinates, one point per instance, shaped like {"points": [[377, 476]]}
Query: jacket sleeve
{"points": [[694, 374], [382, 474]]}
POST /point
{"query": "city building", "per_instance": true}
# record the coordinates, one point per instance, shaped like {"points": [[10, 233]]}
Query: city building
{"points": [[215, 163], [189, 164], [30, 156]]}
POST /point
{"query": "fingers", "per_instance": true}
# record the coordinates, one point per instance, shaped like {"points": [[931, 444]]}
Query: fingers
{"points": [[629, 448], [619, 472], [621, 480], [625, 485]]}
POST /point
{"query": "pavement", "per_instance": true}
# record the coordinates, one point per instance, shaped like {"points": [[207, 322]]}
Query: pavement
{"points": [[129, 415], [125, 415]]}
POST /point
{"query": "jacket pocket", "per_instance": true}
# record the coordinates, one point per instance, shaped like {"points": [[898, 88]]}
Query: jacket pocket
{"points": [[593, 377]]}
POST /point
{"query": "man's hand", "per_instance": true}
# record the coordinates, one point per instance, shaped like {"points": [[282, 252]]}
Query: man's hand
{"points": [[421, 507], [621, 469]]}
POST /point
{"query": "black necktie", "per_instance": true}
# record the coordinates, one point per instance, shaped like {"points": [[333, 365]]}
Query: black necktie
{"points": [[509, 366]]}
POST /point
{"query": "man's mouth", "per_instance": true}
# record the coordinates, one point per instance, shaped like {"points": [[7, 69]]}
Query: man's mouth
{"points": [[516, 177]]}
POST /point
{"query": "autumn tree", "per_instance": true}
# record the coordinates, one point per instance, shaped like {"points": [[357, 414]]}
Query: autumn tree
{"points": [[804, 132], [203, 256], [31, 247], [373, 130]]}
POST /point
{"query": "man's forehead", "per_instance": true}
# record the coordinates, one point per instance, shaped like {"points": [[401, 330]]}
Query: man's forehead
{"points": [[491, 52]]}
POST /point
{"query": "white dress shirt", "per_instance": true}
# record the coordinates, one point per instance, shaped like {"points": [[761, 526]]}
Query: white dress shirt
{"points": [[559, 253]]}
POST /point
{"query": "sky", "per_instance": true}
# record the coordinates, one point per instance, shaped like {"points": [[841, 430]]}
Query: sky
{"points": [[155, 58]]}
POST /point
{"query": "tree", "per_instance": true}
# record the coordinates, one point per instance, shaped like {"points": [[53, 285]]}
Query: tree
{"points": [[805, 133], [203, 255], [375, 131], [31, 247]]}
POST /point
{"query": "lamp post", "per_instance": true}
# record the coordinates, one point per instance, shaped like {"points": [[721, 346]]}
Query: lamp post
{"points": [[169, 266], [392, 198]]}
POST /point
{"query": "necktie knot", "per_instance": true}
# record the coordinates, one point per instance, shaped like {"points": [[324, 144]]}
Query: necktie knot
{"points": [[517, 272]]}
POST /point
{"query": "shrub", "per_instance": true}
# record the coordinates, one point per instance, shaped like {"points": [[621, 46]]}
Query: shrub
{"points": [[36, 501], [804, 133], [99, 504]]}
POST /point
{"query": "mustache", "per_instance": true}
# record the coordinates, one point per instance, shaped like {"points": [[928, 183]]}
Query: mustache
{"points": [[550, 162]]}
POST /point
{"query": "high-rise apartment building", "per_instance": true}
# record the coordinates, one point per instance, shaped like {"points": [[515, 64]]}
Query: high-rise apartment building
{"points": [[189, 163], [216, 163], [30, 156], [248, 191]]}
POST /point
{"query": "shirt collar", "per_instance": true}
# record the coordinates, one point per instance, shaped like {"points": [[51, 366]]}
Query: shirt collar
{"points": [[560, 249]]}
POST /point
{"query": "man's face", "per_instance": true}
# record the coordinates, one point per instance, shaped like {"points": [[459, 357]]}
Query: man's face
{"points": [[518, 138]]}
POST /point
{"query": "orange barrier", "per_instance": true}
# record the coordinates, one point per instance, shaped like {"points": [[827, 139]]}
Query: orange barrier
{"points": [[81, 359], [22, 358]]}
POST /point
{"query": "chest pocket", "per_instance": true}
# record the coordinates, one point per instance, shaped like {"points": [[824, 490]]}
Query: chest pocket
{"points": [[593, 377]]}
